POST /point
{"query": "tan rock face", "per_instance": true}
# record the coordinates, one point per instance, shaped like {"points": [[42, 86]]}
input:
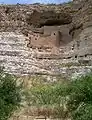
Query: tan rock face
{"points": [[14, 55], [39, 19], [40, 39], [20, 17]]}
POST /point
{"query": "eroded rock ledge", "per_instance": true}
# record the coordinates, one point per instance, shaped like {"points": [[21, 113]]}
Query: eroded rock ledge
{"points": [[46, 39]]}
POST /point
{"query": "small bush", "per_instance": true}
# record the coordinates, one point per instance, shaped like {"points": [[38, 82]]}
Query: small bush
{"points": [[80, 98], [10, 97]]}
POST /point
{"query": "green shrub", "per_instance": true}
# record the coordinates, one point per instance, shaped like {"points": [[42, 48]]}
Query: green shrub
{"points": [[80, 98], [10, 97], [83, 112]]}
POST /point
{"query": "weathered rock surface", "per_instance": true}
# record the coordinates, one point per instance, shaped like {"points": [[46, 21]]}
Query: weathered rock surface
{"points": [[39, 19], [14, 55], [46, 40], [20, 60]]}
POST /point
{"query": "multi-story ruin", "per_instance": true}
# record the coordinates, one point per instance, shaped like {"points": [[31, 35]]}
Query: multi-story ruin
{"points": [[49, 39]]}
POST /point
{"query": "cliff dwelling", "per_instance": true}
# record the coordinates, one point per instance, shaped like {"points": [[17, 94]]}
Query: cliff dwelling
{"points": [[49, 38], [55, 35]]}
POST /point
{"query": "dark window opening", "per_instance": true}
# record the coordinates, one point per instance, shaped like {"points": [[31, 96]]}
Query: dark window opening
{"points": [[54, 33], [35, 38], [40, 58], [81, 56], [85, 55], [69, 57], [75, 56], [29, 45], [85, 38], [40, 50], [72, 48]]}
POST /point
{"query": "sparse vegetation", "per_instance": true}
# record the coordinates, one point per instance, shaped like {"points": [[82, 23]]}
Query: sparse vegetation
{"points": [[48, 99], [72, 99]]}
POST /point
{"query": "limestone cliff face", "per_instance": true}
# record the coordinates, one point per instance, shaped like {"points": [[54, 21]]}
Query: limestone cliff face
{"points": [[46, 39]]}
